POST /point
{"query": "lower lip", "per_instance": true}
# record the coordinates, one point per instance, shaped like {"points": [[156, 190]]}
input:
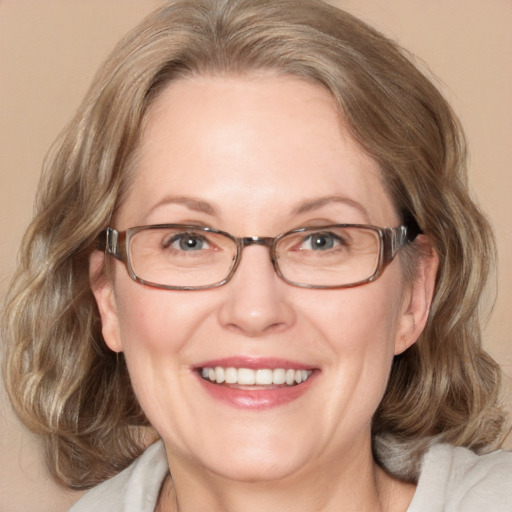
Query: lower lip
{"points": [[256, 399]]}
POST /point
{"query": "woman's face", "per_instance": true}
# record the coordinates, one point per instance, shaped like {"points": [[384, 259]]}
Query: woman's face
{"points": [[256, 156]]}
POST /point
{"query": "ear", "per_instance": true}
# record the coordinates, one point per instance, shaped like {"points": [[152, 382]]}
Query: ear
{"points": [[103, 289], [417, 300]]}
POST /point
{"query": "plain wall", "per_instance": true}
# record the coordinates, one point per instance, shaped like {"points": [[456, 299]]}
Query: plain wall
{"points": [[49, 51]]}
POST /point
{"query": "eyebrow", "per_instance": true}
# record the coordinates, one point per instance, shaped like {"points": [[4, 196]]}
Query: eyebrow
{"points": [[191, 203], [317, 203], [306, 206]]}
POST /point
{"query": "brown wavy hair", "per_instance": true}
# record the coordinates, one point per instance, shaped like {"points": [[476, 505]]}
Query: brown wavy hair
{"points": [[63, 381]]}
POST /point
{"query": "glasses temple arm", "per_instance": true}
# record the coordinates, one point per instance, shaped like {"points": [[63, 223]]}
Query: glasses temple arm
{"points": [[110, 241]]}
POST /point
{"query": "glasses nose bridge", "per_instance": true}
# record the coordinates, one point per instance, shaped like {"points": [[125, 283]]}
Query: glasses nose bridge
{"points": [[266, 241]]}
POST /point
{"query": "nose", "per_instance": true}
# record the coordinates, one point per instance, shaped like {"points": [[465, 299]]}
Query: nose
{"points": [[257, 301]]}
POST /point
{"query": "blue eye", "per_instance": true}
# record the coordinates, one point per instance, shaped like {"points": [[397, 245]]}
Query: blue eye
{"points": [[321, 241], [187, 242]]}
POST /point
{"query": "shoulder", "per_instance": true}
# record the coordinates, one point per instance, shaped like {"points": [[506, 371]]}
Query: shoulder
{"points": [[456, 479], [135, 489]]}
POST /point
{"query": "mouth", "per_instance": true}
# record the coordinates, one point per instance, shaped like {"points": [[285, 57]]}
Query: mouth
{"points": [[260, 378], [255, 383]]}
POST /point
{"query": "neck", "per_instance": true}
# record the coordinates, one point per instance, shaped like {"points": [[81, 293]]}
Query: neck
{"points": [[359, 486]]}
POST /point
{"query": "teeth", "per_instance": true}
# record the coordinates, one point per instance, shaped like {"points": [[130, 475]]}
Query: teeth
{"points": [[219, 374], [279, 376], [260, 377], [231, 375], [246, 377], [263, 377]]}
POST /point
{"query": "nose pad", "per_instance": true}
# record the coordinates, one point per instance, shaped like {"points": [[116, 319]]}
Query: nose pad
{"points": [[256, 298]]}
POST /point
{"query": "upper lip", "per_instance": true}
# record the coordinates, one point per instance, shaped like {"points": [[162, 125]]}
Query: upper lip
{"points": [[254, 363]]}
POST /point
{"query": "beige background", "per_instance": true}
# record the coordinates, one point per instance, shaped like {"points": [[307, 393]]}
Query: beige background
{"points": [[50, 49]]}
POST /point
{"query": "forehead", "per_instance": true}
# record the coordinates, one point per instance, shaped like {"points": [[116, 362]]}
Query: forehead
{"points": [[257, 144]]}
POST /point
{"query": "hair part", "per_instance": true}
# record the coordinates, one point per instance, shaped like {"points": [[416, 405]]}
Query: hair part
{"points": [[63, 381]]}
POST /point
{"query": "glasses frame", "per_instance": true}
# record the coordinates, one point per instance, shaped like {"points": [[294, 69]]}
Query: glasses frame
{"points": [[116, 243]]}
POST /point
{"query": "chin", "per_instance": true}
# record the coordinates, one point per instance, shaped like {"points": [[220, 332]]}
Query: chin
{"points": [[253, 469], [247, 456]]}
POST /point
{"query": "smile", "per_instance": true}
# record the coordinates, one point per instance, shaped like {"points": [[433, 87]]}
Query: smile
{"points": [[258, 377]]}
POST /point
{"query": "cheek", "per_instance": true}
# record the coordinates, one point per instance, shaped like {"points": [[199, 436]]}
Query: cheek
{"points": [[360, 319], [155, 322], [140, 326], [155, 329], [360, 326]]}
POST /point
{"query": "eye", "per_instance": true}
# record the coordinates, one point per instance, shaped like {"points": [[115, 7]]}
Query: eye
{"points": [[187, 242], [322, 241]]}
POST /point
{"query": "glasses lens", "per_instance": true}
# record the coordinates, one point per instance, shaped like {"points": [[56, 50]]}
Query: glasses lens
{"points": [[329, 256], [181, 256]]}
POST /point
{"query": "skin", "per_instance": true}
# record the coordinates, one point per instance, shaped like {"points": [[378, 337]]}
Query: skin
{"points": [[253, 149]]}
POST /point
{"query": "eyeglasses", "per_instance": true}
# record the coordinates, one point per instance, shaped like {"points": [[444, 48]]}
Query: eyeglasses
{"points": [[188, 257]]}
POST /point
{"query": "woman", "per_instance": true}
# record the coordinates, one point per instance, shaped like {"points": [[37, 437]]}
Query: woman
{"points": [[255, 240]]}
